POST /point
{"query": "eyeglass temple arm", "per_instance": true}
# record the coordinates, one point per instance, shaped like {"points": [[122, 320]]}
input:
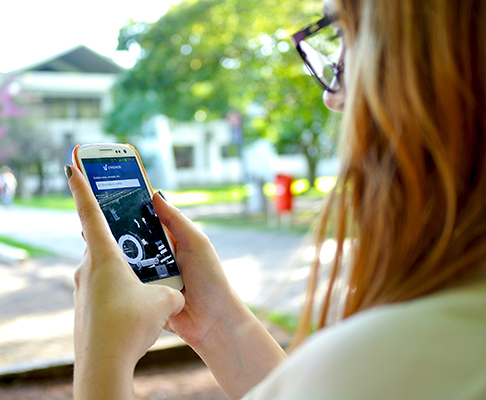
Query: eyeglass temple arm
{"points": [[313, 28]]}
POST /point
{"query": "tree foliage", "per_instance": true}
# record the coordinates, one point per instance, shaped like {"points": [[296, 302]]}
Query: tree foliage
{"points": [[207, 57]]}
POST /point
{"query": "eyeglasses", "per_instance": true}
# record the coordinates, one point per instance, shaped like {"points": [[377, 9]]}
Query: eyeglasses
{"points": [[319, 46]]}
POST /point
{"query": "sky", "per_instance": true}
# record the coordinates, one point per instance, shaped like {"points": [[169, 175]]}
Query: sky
{"points": [[33, 30]]}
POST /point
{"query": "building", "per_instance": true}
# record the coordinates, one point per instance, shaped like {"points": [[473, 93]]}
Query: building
{"points": [[190, 153], [73, 93]]}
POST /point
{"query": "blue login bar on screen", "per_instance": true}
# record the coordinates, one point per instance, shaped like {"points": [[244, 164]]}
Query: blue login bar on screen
{"points": [[118, 184]]}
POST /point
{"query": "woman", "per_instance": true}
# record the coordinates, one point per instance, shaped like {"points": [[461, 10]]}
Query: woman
{"points": [[412, 189]]}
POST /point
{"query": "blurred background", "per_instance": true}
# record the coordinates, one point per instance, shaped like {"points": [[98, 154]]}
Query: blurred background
{"points": [[227, 121]]}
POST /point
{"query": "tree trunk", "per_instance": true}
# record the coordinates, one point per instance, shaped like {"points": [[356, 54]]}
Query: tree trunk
{"points": [[311, 169], [20, 176], [40, 171]]}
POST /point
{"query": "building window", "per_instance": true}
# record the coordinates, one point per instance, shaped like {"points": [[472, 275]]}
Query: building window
{"points": [[57, 108], [184, 156], [72, 108], [88, 108]]}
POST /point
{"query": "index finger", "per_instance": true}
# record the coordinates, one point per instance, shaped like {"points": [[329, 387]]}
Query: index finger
{"points": [[95, 227]]}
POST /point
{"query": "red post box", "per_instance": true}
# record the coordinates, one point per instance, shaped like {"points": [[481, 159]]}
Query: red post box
{"points": [[283, 196]]}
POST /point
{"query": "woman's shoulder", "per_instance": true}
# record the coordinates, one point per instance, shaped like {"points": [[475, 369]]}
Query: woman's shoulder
{"points": [[432, 347], [461, 309]]}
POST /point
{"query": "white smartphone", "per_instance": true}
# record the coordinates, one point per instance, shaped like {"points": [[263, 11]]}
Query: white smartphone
{"points": [[120, 184]]}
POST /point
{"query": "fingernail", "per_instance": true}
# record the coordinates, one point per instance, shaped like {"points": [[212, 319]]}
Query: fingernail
{"points": [[159, 192], [68, 172]]}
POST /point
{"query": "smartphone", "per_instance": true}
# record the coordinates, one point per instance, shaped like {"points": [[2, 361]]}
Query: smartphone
{"points": [[117, 177]]}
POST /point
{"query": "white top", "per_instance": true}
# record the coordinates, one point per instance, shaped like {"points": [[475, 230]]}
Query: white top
{"points": [[431, 348]]}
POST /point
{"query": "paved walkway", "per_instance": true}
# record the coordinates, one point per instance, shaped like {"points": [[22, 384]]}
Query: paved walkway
{"points": [[267, 269]]}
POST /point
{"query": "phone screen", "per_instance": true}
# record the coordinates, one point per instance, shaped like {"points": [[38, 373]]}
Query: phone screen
{"points": [[127, 205]]}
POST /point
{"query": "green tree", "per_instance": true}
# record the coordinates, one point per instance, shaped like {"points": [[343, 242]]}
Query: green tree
{"points": [[207, 57]]}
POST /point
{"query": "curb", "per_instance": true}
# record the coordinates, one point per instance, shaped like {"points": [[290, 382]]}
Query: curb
{"points": [[10, 254], [167, 350]]}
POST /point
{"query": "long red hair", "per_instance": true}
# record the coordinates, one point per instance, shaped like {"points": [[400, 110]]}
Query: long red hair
{"points": [[412, 185]]}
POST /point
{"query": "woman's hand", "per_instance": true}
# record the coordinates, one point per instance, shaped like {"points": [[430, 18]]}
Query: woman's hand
{"points": [[117, 317], [207, 292], [214, 321]]}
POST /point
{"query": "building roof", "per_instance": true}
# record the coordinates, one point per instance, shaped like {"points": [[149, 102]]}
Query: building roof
{"points": [[76, 59]]}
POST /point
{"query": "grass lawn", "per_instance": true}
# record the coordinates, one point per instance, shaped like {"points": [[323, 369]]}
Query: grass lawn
{"points": [[34, 252], [302, 221], [183, 197], [191, 196], [285, 320], [55, 202]]}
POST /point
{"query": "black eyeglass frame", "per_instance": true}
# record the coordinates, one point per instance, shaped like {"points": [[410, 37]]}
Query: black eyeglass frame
{"points": [[310, 30]]}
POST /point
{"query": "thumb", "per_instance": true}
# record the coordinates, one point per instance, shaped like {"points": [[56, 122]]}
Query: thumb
{"points": [[180, 227], [178, 300], [96, 231], [170, 300]]}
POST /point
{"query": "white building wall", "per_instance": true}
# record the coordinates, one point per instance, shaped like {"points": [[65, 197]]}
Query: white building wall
{"points": [[72, 85], [207, 141], [83, 131], [66, 82], [296, 165], [67, 85], [209, 165]]}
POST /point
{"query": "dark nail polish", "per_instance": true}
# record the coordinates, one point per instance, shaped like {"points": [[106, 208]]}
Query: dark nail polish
{"points": [[68, 172], [161, 194]]}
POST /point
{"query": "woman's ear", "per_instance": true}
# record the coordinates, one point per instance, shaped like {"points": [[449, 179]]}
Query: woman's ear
{"points": [[335, 101]]}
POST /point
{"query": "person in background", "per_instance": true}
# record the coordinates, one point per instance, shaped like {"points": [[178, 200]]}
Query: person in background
{"points": [[8, 185], [411, 322]]}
